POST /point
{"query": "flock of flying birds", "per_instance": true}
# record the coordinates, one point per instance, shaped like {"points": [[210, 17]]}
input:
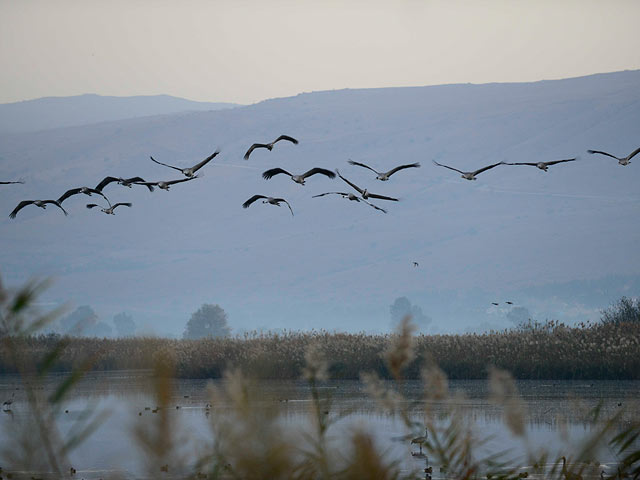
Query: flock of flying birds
{"points": [[190, 173]]}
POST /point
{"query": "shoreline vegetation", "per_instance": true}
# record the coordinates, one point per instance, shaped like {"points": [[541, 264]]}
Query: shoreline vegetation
{"points": [[549, 351]]}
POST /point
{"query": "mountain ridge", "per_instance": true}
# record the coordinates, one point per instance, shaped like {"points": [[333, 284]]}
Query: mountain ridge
{"points": [[59, 112]]}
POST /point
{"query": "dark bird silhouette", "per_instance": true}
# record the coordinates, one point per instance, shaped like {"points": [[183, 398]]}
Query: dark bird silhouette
{"points": [[11, 182], [110, 210], [365, 193], [38, 203], [384, 176], [352, 197], [495, 303], [85, 190], [470, 175], [509, 303], [165, 185], [543, 165], [622, 161], [191, 171], [269, 146], [269, 200], [298, 178], [416, 264], [125, 182]]}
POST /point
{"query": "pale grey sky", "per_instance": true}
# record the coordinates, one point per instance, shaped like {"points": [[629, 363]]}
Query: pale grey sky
{"points": [[248, 50]]}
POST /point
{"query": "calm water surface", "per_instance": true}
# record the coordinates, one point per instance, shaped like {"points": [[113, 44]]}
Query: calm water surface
{"points": [[556, 411]]}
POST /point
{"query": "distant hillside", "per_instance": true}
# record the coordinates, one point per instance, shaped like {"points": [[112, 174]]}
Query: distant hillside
{"points": [[559, 244], [56, 112]]}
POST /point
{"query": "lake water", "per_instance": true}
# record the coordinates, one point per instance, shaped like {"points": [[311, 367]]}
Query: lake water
{"points": [[556, 416]]}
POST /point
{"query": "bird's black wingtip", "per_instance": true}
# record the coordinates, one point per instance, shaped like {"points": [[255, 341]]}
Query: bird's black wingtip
{"points": [[591, 151]]}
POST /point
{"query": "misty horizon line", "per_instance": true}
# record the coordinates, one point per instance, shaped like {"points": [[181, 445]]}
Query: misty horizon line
{"points": [[303, 92]]}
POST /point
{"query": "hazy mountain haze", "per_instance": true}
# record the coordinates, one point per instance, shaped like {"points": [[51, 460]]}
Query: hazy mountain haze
{"points": [[562, 243], [55, 112]]}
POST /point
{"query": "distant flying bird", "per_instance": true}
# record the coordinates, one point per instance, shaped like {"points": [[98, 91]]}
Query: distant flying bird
{"points": [[365, 193], [384, 176], [622, 161], [352, 197], [37, 203], [190, 172], [125, 182], [110, 210], [416, 264], [298, 178], [509, 303], [270, 200], [543, 165], [74, 191], [269, 146], [165, 185], [470, 175], [9, 183], [495, 303]]}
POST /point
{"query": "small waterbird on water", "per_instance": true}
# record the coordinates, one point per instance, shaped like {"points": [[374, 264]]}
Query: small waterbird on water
{"points": [[568, 475], [422, 439], [8, 403]]}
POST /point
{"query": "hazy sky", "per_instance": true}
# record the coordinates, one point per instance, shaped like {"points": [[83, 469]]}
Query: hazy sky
{"points": [[246, 51]]}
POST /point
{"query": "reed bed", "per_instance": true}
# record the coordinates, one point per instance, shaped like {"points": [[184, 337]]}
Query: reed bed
{"points": [[540, 351]]}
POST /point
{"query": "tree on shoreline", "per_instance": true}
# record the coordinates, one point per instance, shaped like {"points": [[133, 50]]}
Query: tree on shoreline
{"points": [[208, 321], [125, 326], [625, 310], [402, 307]]}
